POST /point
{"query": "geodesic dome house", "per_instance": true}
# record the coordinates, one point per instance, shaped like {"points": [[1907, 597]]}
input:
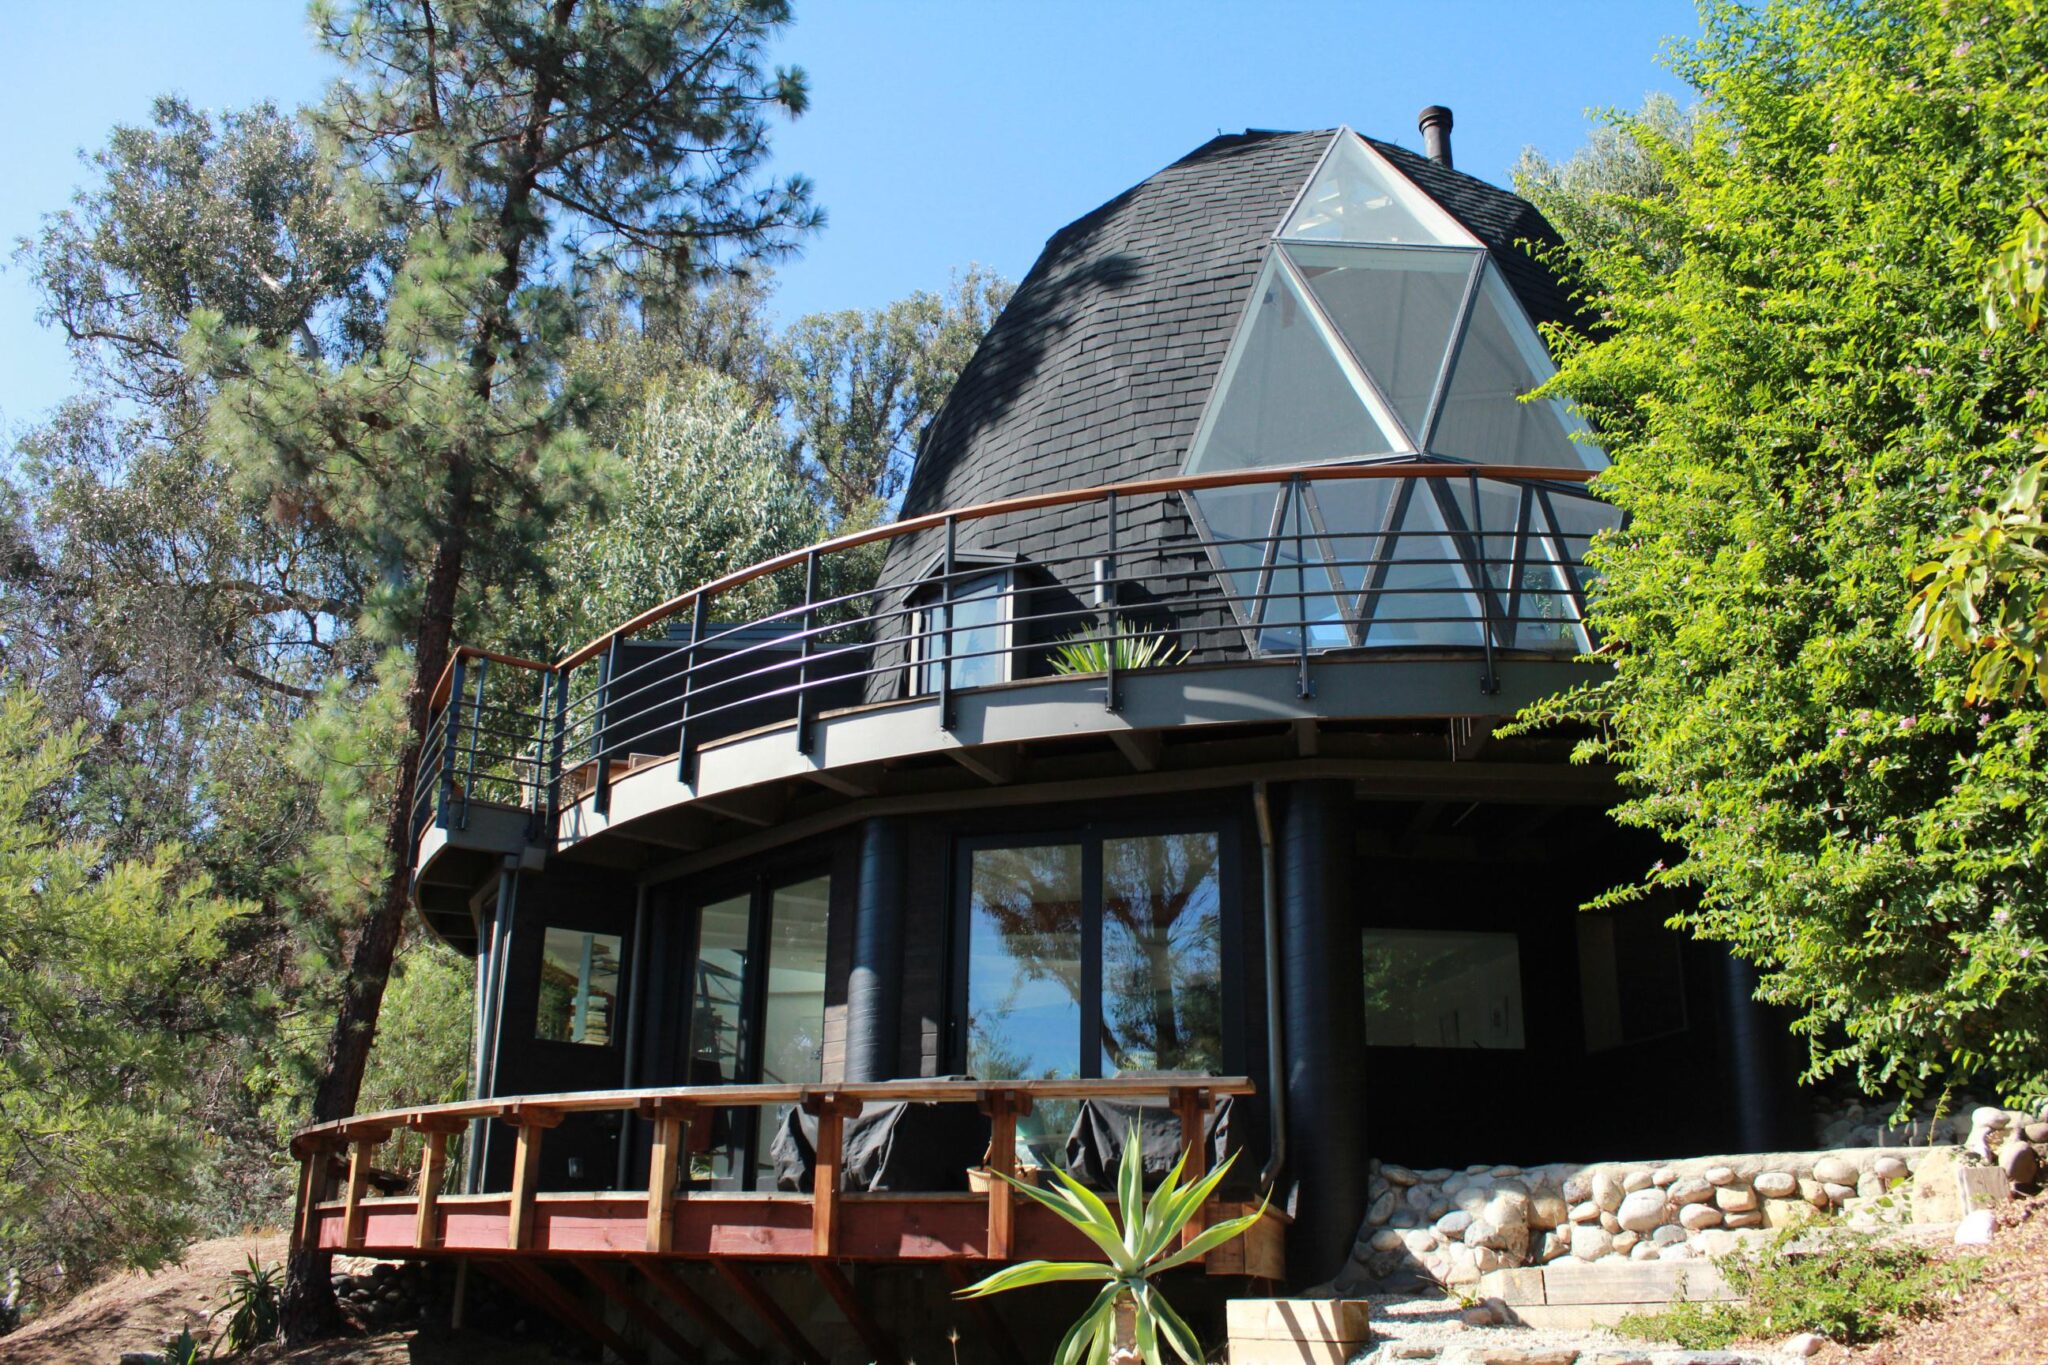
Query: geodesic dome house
{"points": [[1145, 767]]}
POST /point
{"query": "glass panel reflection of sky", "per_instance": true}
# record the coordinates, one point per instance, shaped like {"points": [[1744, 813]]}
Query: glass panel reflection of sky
{"points": [[1162, 963]]}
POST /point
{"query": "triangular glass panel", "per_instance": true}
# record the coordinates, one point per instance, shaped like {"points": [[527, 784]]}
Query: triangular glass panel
{"points": [[1546, 615], [1284, 397], [1489, 516], [1396, 308], [1299, 594], [1425, 596], [1354, 512], [1237, 523], [1482, 418], [1577, 517], [1357, 197]]}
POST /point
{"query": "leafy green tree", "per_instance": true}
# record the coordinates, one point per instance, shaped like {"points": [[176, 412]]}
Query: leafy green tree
{"points": [[102, 963], [523, 150], [1795, 409], [862, 385], [1609, 194]]}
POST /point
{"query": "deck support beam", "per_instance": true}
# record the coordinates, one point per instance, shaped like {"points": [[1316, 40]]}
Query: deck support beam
{"points": [[537, 1284], [770, 1312], [634, 1307], [671, 1286], [880, 1348]]}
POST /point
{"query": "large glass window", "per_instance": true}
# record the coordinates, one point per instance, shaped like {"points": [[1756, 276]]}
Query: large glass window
{"points": [[1442, 988], [579, 987], [978, 641], [1096, 956], [758, 1009]]}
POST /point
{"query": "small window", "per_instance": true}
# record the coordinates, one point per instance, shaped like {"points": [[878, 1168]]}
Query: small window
{"points": [[979, 640], [579, 987], [1438, 988]]}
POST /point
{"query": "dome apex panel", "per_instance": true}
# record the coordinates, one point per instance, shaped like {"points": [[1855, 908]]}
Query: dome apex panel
{"points": [[1356, 196]]}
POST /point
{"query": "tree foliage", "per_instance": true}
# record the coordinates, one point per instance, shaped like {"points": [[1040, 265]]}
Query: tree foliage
{"points": [[1797, 403], [103, 963]]}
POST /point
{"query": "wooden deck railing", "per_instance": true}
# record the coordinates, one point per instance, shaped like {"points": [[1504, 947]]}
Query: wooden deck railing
{"points": [[671, 1112]]}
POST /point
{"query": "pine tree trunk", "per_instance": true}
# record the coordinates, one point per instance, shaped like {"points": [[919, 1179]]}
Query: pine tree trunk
{"points": [[308, 1309]]}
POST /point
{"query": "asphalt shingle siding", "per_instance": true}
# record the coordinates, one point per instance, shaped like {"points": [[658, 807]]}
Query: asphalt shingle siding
{"points": [[1098, 370]]}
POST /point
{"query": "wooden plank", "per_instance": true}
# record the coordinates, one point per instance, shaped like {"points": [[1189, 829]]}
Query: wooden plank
{"points": [[533, 1121], [433, 1170], [668, 1283], [358, 1180], [832, 1112], [671, 1119], [1192, 1105], [1003, 1108], [316, 1179], [770, 1312], [537, 1284], [880, 1348], [656, 1326]]}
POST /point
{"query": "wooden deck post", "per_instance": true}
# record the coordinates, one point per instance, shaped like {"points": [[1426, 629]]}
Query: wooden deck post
{"points": [[362, 1144], [1192, 1104], [1004, 1108], [531, 1121], [435, 1130], [664, 1169], [832, 1110], [316, 1174]]}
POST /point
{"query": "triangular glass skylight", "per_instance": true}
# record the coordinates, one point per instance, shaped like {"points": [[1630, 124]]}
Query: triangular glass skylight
{"points": [[1357, 197], [1285, 396], [1482, 417], [1238, 524], [1396, 309], [1300, 594]]}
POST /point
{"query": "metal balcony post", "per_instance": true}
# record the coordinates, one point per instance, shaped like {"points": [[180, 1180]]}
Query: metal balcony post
{"points": [[559, 724], [1112, 698], [536, 801], [804, 703], [476, 737], [686, 759], [1304, 685], [607, 664], [946, 630], [451, 720], [1489, 681]]}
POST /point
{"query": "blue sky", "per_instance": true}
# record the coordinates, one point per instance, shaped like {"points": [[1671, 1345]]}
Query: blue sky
{"points": [[941, 131]]}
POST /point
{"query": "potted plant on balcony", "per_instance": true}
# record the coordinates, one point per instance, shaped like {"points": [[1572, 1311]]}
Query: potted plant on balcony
{"points": [[1139, 1241]]}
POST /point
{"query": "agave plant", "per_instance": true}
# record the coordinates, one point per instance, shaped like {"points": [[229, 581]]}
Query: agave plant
{"points": [[1143, 1247], [1090, 650]]}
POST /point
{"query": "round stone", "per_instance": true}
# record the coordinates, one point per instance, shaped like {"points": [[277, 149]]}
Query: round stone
{"points": [[1609, 1223], [1642, 1210], [1720, 1175], [1396, 1175], [1625, 1240], [1642, 1251], [1505, 1172], [1437, 1209], [1588, 1212], [1752, 1219], [1735, 1198], [1453, 1185], [1694, 1217], [1888, 1169], [1664, 1177], [1547, 1211], [1590, 1243], [1577, 1189], [1419, 1242], [1833, 1170], [1776, 1185], [1636, 1180], [2036, 1132], [1986, 1116], [1406, 1218], [1386, 1239], [2020, 1162], [1381, 1210], [1839, 1194], [1607, 1190], [1508, 1209], [1453, 1224], [1691, 1190], [1667, 1234]]}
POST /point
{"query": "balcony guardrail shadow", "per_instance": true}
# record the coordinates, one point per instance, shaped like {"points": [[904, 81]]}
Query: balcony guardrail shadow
{"points": [[1278, 565]]}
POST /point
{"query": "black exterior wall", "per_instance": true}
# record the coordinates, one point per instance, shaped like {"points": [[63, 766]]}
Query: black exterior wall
{"points": [[1761, 1069], [1322, 986], [874, 987]]}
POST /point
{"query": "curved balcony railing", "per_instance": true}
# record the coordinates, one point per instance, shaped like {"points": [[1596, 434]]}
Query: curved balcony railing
{"points": [[1283, 565]]}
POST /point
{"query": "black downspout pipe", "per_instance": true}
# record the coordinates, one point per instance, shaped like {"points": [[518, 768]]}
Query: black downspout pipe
{"points": [[874, 988], [1325, 1017]]}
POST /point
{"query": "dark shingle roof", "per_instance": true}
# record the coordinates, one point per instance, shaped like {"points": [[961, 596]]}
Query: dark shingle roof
{"points": [[1098, 369]]}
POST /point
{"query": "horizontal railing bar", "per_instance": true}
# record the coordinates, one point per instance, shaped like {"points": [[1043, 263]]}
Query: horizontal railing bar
{"points": [[460, 652]]}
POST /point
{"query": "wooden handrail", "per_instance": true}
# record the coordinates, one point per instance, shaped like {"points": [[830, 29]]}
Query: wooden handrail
{"points": [[460, 652], [1129, 1086], [1184, 483]]}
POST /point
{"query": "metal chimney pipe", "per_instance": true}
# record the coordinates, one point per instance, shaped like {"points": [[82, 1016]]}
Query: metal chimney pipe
{"points": [[1435, 123]]}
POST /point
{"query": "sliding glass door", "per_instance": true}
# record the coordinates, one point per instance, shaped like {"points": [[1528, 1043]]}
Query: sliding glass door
{"points": [[757, 1011], [1091, 955]]}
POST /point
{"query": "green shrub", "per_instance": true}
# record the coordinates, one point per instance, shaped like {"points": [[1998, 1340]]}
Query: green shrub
{"points": [[253, 1308], [1089, 650], [1846, 1286]]}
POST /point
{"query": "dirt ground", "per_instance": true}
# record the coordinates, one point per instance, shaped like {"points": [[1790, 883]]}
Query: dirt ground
{"points": [[2001, 1319], [136, 1312]]}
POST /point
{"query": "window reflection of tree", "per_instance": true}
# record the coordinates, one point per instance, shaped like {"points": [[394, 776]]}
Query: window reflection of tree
{"points": [[1162, 937], [1031, 897]]}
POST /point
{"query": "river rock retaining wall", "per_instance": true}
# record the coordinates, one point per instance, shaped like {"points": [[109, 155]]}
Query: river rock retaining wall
{"points": [[1454, 1226]]}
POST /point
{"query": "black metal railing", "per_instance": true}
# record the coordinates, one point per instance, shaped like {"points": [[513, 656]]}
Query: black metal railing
{"points": [[1277, 565]]}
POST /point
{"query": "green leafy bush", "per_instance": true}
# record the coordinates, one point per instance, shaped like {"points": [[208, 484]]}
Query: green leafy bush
{"points": [[252, 1307], [1846, 1286], [1090, 650]]}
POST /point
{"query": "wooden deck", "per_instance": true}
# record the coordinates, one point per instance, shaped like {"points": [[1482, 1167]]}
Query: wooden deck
{"points": [[669, 1220]]}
